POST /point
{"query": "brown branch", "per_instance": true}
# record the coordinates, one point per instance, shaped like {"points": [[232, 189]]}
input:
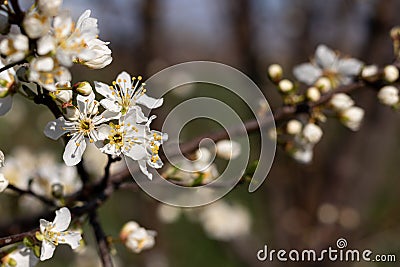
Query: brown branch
{"points": [[101, 238], [11, 65], [31, 193]]}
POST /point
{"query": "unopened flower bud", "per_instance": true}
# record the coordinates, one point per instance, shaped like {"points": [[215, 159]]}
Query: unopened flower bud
{"points": [[388, 95], [323, 84], [294, 127], [370, 73], [63, 95], [83, 88], [313, 94], [341, 101], [395, 33], [275, 72], [228, 149], [312, 133], [391, 73], [57, 190], [285, 86], [71, 113], [352, 118]]}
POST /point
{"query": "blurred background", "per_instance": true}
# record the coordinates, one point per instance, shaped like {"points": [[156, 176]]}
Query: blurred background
{"points": [[351, 190]]}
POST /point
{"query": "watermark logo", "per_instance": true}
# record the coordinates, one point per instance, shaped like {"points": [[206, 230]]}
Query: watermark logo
{"points": [[340, 253], [231, 80]]}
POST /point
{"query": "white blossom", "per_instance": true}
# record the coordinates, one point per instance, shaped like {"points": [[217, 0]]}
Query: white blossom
{"points": [[312, 133], [20, 256], [341, 102], [7, 89], [14, 47], [352, 118], [389, 95], [46, 72], [304, 154], [124, 94], [327, 63], [228, 149], [35, 24], [102, 57], [54, 233], [137, 238], [369, 72], [225, 222], [80, 131]]}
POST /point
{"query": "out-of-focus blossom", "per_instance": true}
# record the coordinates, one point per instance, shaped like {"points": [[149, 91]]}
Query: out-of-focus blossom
{"points": [[388, 95], [137, 238], [36, 25], [275, 72], [313, 94], [228, 149], [168, 214], [54, 233], [341, 102], [294, 127], [352, 118], [46, 72], [391, 73], [285, 86], [7, 89], [312, 133], [370, 73], [327, 64], [49, 7], [20, 256], [223, 221], [15, 47]]}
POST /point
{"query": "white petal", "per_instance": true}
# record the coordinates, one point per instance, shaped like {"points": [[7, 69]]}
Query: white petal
{"points": [[54, 129], [110, 105], [135, 115], [43, 224], [325, 57], [307, 73], [124, 81], [45, 45], [62, 219], [74, 150], [3, 183], [84, 102], [143, 169], [349, 66], [137, 152], [71, 238], [104, 90], [110, 149], [47, 250], [103, 131], [5, 104], [149, 102]]}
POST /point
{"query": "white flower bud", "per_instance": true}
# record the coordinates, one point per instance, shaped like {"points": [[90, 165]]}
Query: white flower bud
{"points": [[370, 73], [228, 149], [275, 72], [83, 88], [285, 86], [313, 94], [294, 127], [388, 95], [304, 156], [323, 84], [3, 183], [71, 113], [352, 118], [137, 238], [391, 73], [63, 95], [312, 133], [341, 101]]}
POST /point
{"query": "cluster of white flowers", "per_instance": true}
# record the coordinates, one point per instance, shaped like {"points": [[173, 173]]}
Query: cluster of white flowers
{"points": [[121, 129], [50, 42], [326, 72], [137, 238]]}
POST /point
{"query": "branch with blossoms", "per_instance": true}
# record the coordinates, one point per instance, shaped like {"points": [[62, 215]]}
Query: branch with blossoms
{"points": [[35, 64]]}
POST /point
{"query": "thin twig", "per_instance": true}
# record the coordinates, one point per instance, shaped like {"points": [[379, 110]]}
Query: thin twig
{"points": [[11, 65], [101, 238]]}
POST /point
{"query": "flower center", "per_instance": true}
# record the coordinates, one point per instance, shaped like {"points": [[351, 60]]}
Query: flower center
{"points": [[86, 126]]}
